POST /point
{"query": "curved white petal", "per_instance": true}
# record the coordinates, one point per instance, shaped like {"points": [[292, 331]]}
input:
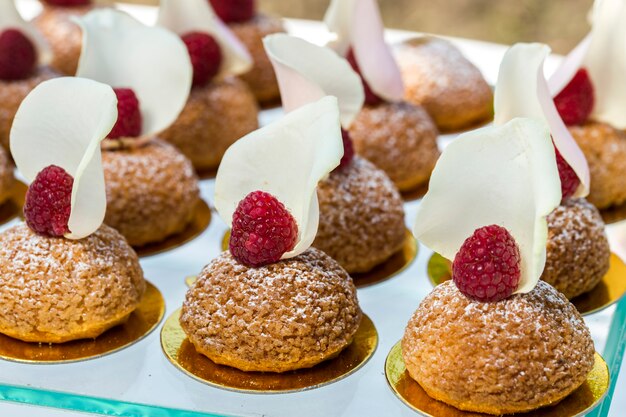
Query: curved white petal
{"points": [[154, 62], [308, 72], [357, 24], [10, 18], [286, 159], [605, 61], [568, 68], [77, 114], [522, 91], [504, 175], [184, 16]]}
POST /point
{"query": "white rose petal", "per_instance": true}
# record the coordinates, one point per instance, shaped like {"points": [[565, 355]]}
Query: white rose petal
{"points": [[184, 16], [308, 72], [357, 24], [504, 175], [522, 91], [152, 61], [286, 159], [62, 122], [11, 19]]}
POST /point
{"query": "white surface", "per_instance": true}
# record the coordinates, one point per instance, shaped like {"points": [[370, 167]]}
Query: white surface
{"points": [[141, 373]]}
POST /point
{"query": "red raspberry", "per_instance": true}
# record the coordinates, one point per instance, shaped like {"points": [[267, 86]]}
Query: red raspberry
{"points": [[68, 3], [18, 56], [348, 149], [206, 56], [234, 10], [575, 101], [49, 202], [370, 97], [569, 179], [263, 230], [487, 267], [129, 120]]}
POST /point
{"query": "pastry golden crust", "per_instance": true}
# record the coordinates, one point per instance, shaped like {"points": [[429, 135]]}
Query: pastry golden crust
{"points": [[12, 93], [510, 356], [64, 36], [152, 191], [215, 116], [361, 216], [437, 76], [400, 139], [605, 150], [289, 315], [53, 290], [6, 176], [578, 250], [261, 78]]}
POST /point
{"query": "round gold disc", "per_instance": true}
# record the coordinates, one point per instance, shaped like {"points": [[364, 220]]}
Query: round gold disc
{"points": [[12, 208], [578, 403], [414, 194], [183, 355], [206, 174], [397, 263], [614, 214], [200, 221], [140, 324], [607, 292]]}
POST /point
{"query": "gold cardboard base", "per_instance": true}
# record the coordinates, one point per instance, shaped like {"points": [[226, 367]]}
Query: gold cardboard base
{"points": [[12, 208], [141, 323], [578, 403], [183, 356]]}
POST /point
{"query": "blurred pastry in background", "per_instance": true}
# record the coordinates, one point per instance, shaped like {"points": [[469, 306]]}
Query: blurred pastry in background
{"points": [[221, 107], [251, 26], [396, 136], [24, 59], [438, 77]]}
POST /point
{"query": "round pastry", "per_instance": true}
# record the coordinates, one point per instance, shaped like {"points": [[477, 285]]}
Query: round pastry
{"points": [[288, 315], [6, 176], [55, 290], [152, 191], [215, 116], [11, 95], [361, 216], [261, 79], [578, 250], [400, 139], [511, 356], [605, 150], [437, 76], [64, 36]]}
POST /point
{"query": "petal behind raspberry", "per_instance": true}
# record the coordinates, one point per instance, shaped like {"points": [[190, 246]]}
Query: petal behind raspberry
{"points": [[575, 102], [205, 54]]}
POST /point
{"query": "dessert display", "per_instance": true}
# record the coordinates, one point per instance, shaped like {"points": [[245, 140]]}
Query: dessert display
{"points": [[56, 23], [495, 339], [85, 274], [221, 107], [361, 220], [396, 136], [251, 26], [578, 254], [152, 189], [271, 303], [438, 77], [589, 94], [24, 58]]}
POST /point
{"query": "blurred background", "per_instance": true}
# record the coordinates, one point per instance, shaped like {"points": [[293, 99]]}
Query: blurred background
{"points": [[559, 23]]}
